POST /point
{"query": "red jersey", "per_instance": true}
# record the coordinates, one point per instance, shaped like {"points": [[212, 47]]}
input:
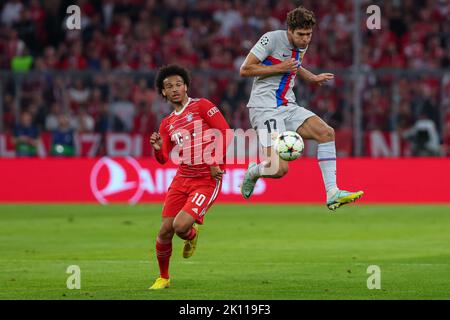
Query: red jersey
{"points": [[190, 131]]}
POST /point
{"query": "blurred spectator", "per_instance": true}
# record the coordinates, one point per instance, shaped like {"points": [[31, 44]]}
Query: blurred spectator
{"points": [[123, 109], [51, 121], [26, 136], [12, 47], [446, 135], [424, 137], [404, 118], [22, 62], [9, 109], [325, 103], [144, 121], [78, 94], [376, 111], [74, 58], [11, 12], [38, 16], [94, 104], [227, 17], [232, 95], [107, 10], [141, 93], [108, 122], [26, 29], [240, 117], [161, 108], [83, 122], [424, 102], [63, 138], [227, 112], [50, 58], [447, 139], [39, 110]]}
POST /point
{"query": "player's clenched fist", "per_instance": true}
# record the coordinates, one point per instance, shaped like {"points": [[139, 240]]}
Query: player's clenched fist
{"points": [[290, 65], [156, 141]]}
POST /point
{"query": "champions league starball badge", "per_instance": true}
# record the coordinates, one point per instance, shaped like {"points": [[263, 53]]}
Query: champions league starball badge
{"points": [[264, 41]]}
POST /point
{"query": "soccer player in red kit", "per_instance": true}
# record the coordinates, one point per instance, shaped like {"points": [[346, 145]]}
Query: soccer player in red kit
{"points": [[198, 180]]}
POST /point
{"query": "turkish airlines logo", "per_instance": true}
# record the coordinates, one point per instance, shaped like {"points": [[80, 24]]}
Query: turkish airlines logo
{"points": [[124, 180], [117, 180]]}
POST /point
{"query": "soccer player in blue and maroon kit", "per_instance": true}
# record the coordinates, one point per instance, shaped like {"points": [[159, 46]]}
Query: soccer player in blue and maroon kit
{"points": [[190, 128]]}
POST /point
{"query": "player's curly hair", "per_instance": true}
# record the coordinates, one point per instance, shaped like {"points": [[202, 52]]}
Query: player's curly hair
{"points": [[171, 70], [300, 18]]}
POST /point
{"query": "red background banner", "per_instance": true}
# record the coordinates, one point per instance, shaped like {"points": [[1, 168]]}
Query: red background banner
{"points": [[122, 180]]}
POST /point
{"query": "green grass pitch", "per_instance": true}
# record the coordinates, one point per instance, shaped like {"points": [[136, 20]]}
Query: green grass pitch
{"points": [[244, 252]]}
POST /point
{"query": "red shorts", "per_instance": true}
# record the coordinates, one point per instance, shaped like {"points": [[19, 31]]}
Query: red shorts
{"points": [[191, 195]]}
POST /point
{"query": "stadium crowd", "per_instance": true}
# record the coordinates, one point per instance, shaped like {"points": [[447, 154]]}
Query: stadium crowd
{"points": [[211, 38]]}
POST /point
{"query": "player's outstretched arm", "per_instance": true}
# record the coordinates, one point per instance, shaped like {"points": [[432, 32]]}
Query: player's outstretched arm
{"points": [[252, 67], [314, 78]]}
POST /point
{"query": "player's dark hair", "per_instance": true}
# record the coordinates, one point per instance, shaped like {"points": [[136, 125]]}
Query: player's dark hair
{"points": [[171, 70], [300, 18]]}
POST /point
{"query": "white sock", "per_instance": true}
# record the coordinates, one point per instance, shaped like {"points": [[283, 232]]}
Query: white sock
{"points": [[326, 154], [257, 171]]}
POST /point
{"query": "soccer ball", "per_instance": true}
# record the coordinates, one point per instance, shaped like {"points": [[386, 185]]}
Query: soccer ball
{"points": [[289, 145]]}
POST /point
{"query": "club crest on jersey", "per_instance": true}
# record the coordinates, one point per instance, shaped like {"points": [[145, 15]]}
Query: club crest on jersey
{"points": [[189, 117]]}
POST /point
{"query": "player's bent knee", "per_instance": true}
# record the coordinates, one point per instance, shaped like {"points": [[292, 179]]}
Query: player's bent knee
{"points": [[165, 235], [166, 232], [331, 133], [326, 134], [180, 227]]}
